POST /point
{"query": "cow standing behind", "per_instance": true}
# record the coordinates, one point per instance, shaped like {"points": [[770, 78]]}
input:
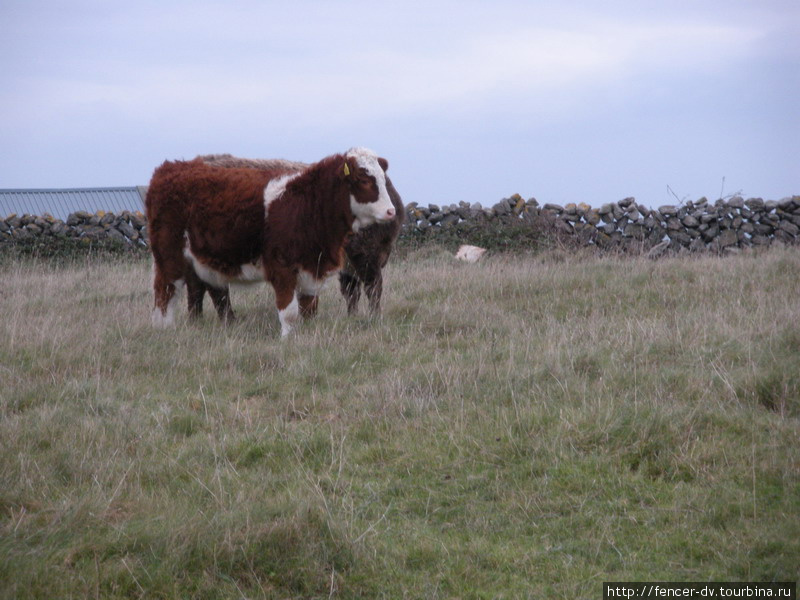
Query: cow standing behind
{"points": [[367, 252], [211, 226]]}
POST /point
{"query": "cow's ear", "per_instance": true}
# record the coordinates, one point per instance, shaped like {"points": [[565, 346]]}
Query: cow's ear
{"points": [[383, 163]]}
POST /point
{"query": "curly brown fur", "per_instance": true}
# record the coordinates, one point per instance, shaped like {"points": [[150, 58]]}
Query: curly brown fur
{"points": [[274, 164], [367, 252]]}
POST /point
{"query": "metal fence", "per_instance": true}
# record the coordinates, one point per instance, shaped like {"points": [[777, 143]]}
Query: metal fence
{"points": [[61, 202]]}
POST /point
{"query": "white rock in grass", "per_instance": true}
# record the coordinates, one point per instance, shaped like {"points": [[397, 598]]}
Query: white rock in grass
{"points": [[470, 254]]}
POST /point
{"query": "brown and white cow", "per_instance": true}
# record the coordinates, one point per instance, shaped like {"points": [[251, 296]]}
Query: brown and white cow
{"points": [[216, 226], [366, 252]]}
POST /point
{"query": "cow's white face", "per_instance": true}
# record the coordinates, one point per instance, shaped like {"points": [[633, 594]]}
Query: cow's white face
{"points": [[369, 199]]}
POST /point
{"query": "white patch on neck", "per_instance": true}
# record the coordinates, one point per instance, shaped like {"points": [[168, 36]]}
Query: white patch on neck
{"points": [[367, 214], [275, 189]]}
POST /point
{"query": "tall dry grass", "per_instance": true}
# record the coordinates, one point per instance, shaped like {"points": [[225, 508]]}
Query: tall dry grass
{"points": [[523, 427]]}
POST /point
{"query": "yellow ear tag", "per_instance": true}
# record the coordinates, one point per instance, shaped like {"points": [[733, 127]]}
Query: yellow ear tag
{"points": [[346, 170]]}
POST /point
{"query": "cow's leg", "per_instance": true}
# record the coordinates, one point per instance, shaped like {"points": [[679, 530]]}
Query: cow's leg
{"points": [[165, 299], [308, 305], [351, 290], [168, 272], [221, 297], [368, 271], [373, 286], [284, 283], [195, 292]]}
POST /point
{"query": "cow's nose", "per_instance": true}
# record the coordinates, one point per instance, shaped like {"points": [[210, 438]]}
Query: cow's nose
{"points": [[390, 212]]}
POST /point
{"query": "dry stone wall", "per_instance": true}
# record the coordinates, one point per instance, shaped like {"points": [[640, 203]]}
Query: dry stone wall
{"points": [[723, 226], [127, 227]]}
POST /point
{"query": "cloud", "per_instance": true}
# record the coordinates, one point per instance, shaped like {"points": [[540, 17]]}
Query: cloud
{"points": [[318, 63]]}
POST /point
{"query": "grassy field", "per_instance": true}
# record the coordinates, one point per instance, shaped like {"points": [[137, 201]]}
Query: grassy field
{"points": [[526, 427]]}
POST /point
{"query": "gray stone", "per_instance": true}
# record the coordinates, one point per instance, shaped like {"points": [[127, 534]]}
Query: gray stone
{"points": [[728, 237], [674, 224], [592, 217], [709, 218], [563, 226], [668, 210], [450, 220], [690, 221], [139, 222], [114, 234], [736, 202], [789, 228], [754, 203], [635, 230], [608, 228], [58, 228], [679, 236], [127, 230], [763, 228], [502, 208], [603, 240], [711, 233]]}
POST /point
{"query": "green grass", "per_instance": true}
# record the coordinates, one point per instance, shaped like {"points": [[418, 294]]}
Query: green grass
{"points": [[526, 427]]}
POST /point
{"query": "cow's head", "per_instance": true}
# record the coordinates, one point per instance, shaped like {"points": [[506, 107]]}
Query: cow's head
{"points": [[365, 173]]}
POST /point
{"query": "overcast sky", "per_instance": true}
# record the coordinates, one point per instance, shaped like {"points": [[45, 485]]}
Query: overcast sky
{"points": [[565, 101]]}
